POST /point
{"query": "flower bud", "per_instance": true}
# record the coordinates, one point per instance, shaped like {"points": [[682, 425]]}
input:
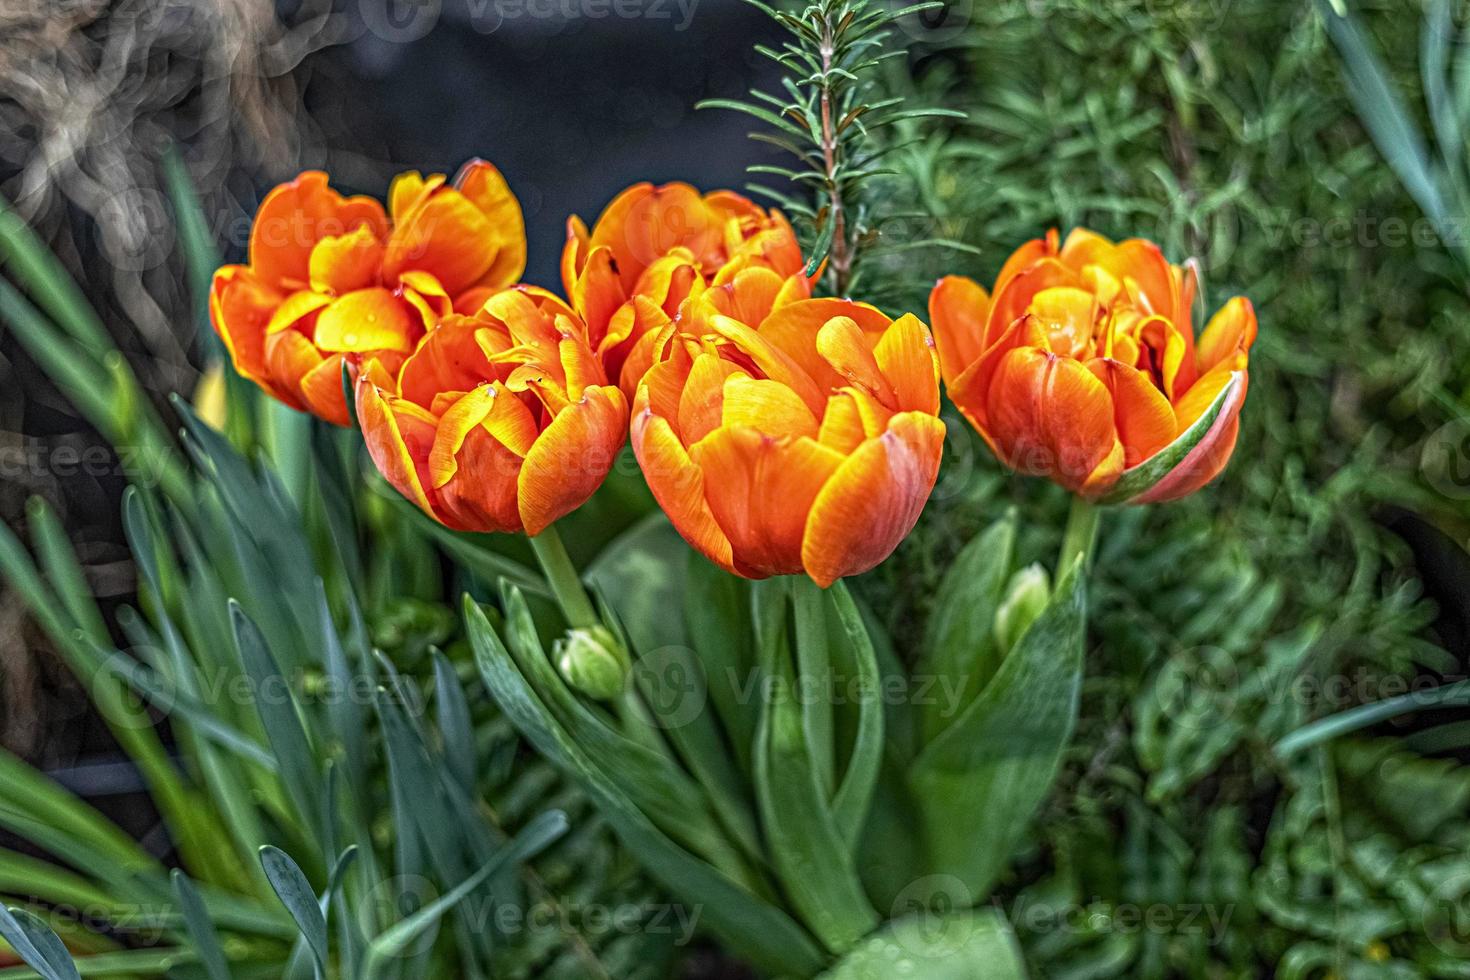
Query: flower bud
{"points": [[594, 662], [1026, 596]]}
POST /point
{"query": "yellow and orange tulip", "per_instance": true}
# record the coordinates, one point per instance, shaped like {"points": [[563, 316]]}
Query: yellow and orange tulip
{"points": [[631, 273], [499, 421], [783, 434], [1083, 366], [332, 278]]}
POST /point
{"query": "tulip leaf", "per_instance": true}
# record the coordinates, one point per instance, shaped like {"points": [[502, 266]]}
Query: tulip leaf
{"points": [[977, 785], [957, 946], [534, 838], [1139, 479], [960, 654], [807, 848], [202, 934], [857, 661], [34, 942], [751, 927], [717, 617], [296, 894]]}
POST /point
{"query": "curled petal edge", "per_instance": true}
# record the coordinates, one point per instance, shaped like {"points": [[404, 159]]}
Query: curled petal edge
{"points": [[1164, 474]]}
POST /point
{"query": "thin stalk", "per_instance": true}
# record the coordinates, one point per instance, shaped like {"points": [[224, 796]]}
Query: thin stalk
{"points": [[1080, 535], [840, 256], [566, 584]]}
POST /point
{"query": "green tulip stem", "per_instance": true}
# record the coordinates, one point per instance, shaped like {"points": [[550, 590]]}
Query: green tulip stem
{"points": [[1080, 535], [565, 583]]}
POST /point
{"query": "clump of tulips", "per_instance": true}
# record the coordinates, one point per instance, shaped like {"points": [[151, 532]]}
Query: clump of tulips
{"points": [[784, 435]]}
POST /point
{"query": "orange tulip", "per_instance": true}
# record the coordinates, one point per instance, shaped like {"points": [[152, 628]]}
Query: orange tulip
{"points": [[1083, 366], [783, 434], [333, 278], [631, 273], [500, 421]]}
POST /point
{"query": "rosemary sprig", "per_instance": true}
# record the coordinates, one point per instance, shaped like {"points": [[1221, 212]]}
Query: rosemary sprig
{"points": [[829, 118]]}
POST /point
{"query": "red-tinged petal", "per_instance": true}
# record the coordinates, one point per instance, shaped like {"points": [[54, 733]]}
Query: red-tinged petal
{"points": [[662, 390], [1230, 332], [1050, 416], [456, 420], [760, 490], [873, 500], [905, 355], [646, 222], [481, 496], [748, 296], [958, 310], [677, 484], [849, 351], [702, 402], [449, 358], [399, 436], [1068, 315], [446, 235], [486, 189], [1208, 458], [1161, 352], [341, 263], [768, 407], [289, 356], [295, 216], [367, 320], [572, 457], [321, 390], [240, 307], [598, 293], [1143, 416], [1202, 395], [970, 391], [296, 308]]}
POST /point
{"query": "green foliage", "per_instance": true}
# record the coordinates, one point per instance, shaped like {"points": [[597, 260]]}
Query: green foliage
{"points": [[1224, 623]]}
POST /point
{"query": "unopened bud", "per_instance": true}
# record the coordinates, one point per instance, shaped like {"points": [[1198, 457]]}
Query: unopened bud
{"points": [[594, 662], [1026, 596]]}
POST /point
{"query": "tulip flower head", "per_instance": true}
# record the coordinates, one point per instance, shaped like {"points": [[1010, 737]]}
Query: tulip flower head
{"points": [[1083, 366], [499, 421], [784, 434], [631, 273], [332, 278]]}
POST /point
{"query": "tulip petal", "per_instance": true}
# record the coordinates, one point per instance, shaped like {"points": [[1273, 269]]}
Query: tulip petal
{"points": [[571, 457], [321, 390], [1013, 297], [240, 306], [449, 358], [295, 216], [1193, 459], [873, 499], [481, 496], [446, 235], [399, 436], [366, 320], [905, 355], [794, 327], [849, 351], [958, 309], [677, 484], [773, 362], [768, 407], [1050, 416], [842, 425], [1143, 416], [456, 420], [295, 308], [1231, 331], [486, 189], [701, 403], [760, 490], [341, 263]]}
